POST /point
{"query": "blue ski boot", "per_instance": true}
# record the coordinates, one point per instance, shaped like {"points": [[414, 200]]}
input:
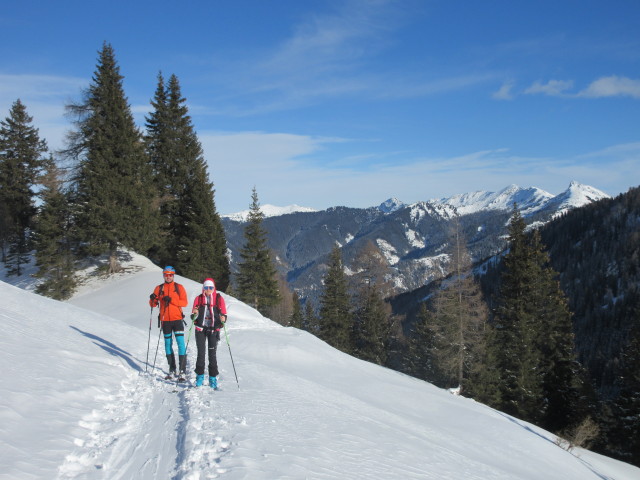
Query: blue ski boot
{"points": [[213, 383], [199, 380]]}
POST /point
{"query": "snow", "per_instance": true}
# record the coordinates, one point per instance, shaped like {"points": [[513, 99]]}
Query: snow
{"points": [[388, 251], [391, 205], [414, 238], [79, 401], [529, 200], [269, 211]]}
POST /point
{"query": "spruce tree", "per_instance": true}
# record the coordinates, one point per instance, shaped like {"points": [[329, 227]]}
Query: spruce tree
{"points": [[517, 353], [256, 278], [297, 317], [335, 309], [419, 357], [160, 146], [54, 255], [310, 321], [534, 347], [371, 316], [21, 163], [192, 237], [114, 197], [561, 373], [624, 439]]}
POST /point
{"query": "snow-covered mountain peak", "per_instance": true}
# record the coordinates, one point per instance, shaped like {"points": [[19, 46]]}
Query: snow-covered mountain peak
{"points": [[391, 205], [528, 199], [575, 196], [269, 211]]}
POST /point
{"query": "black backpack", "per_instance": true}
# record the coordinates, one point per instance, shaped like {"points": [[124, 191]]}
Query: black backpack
{"points": [[217, 323], [161, 294]]}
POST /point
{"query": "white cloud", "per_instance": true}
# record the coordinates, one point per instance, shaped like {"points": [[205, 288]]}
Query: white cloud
{"points": [[45, 97], [552, 88], [613, 86], [286, 169], [505, 91], [37, 86]]}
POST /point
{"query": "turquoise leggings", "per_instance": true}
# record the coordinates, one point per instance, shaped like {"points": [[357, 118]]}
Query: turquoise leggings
{"points": [[176, 328]]}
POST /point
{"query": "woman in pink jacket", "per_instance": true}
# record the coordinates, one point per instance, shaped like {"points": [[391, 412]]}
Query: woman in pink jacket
{"points": [[209, 314]]}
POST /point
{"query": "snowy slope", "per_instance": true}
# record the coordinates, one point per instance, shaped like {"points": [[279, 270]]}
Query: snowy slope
{"points": [[76, 403], [528, 200], [575, 196]]}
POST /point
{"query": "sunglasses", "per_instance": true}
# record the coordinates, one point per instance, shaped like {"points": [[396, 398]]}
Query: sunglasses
{"points": [[208, 288], [168, 274]]}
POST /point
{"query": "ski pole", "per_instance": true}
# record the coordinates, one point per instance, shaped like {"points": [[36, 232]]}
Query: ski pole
{"points": [[157, 345], [186, 349], [146, 365], [233, 364]]}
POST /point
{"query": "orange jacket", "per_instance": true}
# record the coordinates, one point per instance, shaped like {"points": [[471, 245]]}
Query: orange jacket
{"points": [[173, 311]]}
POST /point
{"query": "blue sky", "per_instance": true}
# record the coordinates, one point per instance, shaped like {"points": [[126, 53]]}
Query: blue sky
{"points": [[326, 102]]}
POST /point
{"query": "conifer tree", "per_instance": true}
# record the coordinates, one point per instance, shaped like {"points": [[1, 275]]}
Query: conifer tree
{"points": [[335, 309], [561, 374], [518, 356], [624, 439], [114, 197], [533, 346], [310, 321], [160, 146], [54, 255], [256, 279], [21, 163], [191, 234], [459, 318], [371, 318], [297, 317], [419, 357]]}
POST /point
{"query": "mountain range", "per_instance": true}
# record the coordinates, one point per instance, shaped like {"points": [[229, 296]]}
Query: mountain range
{"points": [[414, 238]]}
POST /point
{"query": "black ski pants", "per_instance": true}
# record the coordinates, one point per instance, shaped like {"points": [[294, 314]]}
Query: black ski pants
{"points": [[207, 343]]}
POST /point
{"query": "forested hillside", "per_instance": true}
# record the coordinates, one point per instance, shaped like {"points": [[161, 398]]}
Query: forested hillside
{"points": [[596, 251]]}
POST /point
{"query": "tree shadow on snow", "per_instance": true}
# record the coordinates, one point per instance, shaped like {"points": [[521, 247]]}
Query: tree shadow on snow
{"points": [[530, 430], [110, 348]]}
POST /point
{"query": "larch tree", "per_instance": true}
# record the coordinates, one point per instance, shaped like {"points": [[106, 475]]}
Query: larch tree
{"points": [[460, 317]]}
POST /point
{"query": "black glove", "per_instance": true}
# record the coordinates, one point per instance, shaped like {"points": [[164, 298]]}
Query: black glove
{"points": [[167, 299], [153, 296]]}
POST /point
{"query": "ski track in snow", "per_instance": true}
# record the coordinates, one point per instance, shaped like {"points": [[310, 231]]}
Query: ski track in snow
{"points": [[191, 450]]}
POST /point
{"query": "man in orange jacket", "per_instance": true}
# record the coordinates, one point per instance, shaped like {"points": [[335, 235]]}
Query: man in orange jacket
{"points": [[171, 297]]}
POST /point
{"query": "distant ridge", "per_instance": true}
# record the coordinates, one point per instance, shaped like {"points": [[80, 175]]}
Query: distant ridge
{"points": [[268, 211]]}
